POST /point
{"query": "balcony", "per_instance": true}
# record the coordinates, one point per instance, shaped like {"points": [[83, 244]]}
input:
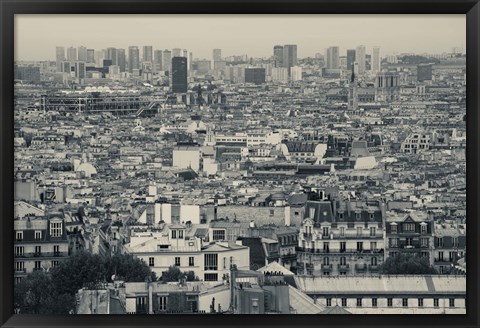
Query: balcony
{"points": [[360, 267], [373, 268], [21, 270], [326, 267], [343, 267], [42, 254]]}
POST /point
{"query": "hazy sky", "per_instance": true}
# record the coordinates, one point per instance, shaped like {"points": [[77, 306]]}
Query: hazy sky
{"points": [[36, 36]]}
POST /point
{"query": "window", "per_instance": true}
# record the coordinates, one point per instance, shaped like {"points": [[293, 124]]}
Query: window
{"points": [[374, 261], [359, 246], [409, 227], [420, 302], [440, 242], [38, 265], [435, 302], [451, 256], [326, 261], [54, 263], [409, 241], [374, 302], [423, 228], [329, 301], [326, 248], [38, 250], [342, 231], [218, 234], [440, 256], [343, 246], [359, 302], [404, 302], [359, 231], [358, 216], [162, 303], [174, 234], [451, 302], [18, 250], [344, 302], [393, 228], [191, 261], [56, 250], [20, 266], [372, 216], [373, 231], [389, 302], [424, 242], [180, 234], [210, 277], [151, 261], [340, 216], [19, 235], [211, 261], [56, 229], [177, 261], [343, 260], [38, 235], [325, 232], [18, 280], [373, 245], [393, 242]]}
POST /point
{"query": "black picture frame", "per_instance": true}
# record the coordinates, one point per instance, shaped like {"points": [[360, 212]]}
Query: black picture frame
{"points": [[471, 8]]}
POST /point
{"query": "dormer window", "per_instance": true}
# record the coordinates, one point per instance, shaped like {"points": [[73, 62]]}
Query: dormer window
{"points": [[174, 234], [56, 229], [358, 216], [340, 216], [19, 235], [393, 228], [180, 234], [312, 212]]}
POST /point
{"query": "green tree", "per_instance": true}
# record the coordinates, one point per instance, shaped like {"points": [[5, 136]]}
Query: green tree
{"points": [[172, 274], [405, 263]]}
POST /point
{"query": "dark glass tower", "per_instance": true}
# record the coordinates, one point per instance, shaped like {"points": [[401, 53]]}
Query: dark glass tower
{"points": [[179, 74]]}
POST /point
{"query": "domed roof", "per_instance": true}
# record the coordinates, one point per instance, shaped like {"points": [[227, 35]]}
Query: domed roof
{"points": [[87, 168]]}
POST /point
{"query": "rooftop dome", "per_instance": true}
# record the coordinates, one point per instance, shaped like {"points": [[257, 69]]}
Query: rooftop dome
{"points": [[87, 168]]}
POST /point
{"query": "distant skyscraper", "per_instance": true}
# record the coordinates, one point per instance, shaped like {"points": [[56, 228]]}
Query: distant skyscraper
{"points": [[157, 60], [111, 54], [190, 61], [121, 60], [80, 69], [350, 58], [278, 56], [60, 57], [376, 60], [90, 55], [148, 54], [176, 52], [179, 74], [361, 59], [217, 55], [255, 75], [72, 54], [167, 60], [133, 58], [333, 58], [289, 56], [82, 53], [185, 53]]}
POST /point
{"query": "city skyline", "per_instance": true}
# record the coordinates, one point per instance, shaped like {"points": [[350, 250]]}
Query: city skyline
{"points": [[35, 36]]}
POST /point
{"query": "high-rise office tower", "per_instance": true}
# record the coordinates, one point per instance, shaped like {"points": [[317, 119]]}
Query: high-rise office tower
{"points": [[133, 58], [376, 60], [80, 69], [59, 57], [289, 56], [148, 54], [255, 75], [167, 60], [82, 53], [72, 54], [111, 54], [179, 74], [296, 73], [157, 60], [361, 59], [121, 60], [333, 58], [190, 61], [350, 58], [278, 56], [90, 55], [217, 55], [176, 52], [185, 53]]}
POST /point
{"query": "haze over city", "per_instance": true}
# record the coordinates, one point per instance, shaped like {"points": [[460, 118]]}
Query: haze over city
{"points": [[37, 35]]}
